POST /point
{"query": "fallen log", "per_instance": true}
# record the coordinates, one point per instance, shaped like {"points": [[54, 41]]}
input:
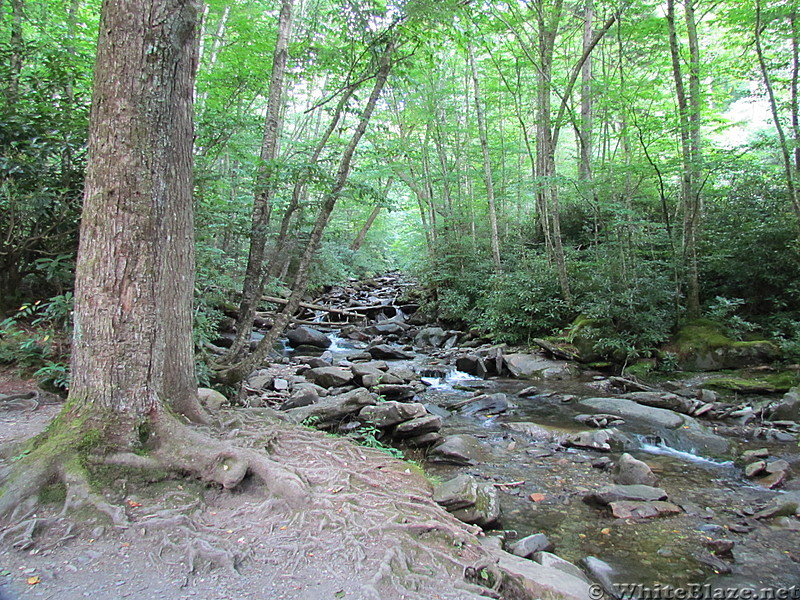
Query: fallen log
{"points": [[308, 305], [556, 351]]}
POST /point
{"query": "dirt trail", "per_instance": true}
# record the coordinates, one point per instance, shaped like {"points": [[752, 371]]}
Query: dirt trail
{"points": [[371, 530]]}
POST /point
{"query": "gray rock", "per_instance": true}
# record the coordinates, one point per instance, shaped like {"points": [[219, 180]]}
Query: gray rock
{"points": [[783, 505], [333, 408], [212, 400], [306, 336], [425, 440], [602, 573], [487, 404], [468, 500], [528, 579], [280, 385], [459, 492], [787, 408], [755, 469], [387, 414], [370, 370], [630, 509], [534, 366], [601, 440], [734, 356], [329, 377], [601, 421], [618, 493], [418, 426], [628, 409], [385, 351], [546, 559], [459, 449], [631, 471], [430, 336], [301, 397], [394, 391], [530, 545], [471, 364]]}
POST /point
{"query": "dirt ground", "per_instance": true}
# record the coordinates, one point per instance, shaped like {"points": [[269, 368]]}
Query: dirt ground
{"points": [[370, 531]]}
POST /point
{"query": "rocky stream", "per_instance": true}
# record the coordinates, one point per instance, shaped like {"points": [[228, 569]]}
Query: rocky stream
{"points": [[637, 488]]}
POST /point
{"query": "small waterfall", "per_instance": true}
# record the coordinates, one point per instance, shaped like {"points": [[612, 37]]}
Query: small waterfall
{"points": [[655, 445]]}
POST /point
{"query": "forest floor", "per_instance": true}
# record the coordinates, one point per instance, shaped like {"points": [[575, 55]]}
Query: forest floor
{"points": [[369, 531]]}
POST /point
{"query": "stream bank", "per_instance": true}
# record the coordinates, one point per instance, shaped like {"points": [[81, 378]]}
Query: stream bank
{"points": [[547, 437]]}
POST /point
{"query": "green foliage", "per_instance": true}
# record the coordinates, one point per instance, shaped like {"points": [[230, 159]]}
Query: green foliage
{"points": [[368, 436], [36, 339]]}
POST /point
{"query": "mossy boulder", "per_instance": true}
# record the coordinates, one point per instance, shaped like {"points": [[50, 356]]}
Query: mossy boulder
{"points": [[584, 334], [701, 345]]}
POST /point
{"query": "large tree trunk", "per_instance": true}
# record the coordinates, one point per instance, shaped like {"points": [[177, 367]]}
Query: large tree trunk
{"points": [[585, 139], [132, 349]]}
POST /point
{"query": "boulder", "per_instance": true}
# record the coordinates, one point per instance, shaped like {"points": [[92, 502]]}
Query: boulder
{"points": [[472, 365], [619, 493], [602, 440], [525, 578], [306, 336], [628, 409], [631, 471], [701, 345], [535, 366], [627, 509], [388, 414], [329, 377], [430, 336], [425, 440], [546, 559], [388, 352], [459, 449], [783, 505], [210, 399], [333, 408], [787, 408], [487, 404], [530, 545], [468, 500], [418, 426]]}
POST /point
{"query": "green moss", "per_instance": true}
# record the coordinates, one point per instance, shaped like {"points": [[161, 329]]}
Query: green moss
{"points": [[701, 334], [774, 383], [55, 493]]}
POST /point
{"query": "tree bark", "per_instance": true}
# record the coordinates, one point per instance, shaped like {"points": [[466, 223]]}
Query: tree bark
{"points": [[133, 352], [487, 163], [252, 286], [688, 114], [586, 133]]}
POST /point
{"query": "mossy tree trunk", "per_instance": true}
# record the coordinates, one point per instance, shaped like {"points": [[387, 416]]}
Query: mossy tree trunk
{"points": [[132, 347]]}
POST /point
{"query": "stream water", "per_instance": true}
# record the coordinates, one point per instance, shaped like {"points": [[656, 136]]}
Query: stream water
{"points": [[716, 497]]}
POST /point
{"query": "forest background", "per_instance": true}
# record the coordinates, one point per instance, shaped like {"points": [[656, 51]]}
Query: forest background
{"points": [[538, 165]]}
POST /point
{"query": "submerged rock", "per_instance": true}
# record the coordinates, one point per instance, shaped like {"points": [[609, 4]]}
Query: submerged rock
{"points": [[459, 449], [619, 493], [627, 509]]}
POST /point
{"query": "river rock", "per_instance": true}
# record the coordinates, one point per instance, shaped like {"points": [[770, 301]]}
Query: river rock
{"points": [[783, 505], [387, 327], [631, 471], [468, 500], [530, 545], [787, 408], [528, 579], [301, 397], [602, 573], [306, 336], [329, 377], [535, 366], [755, 469], [387, 414], [600, 420], [628, 509], [333, 408], [629, 409], [458, 449], [602, 440], [426, 440], [369, 370], [472, 365], [620, 493], [546, 559], [418, 426], [430, 336], [385, 351], [680, 431], [487, 404], [394, 391]]}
